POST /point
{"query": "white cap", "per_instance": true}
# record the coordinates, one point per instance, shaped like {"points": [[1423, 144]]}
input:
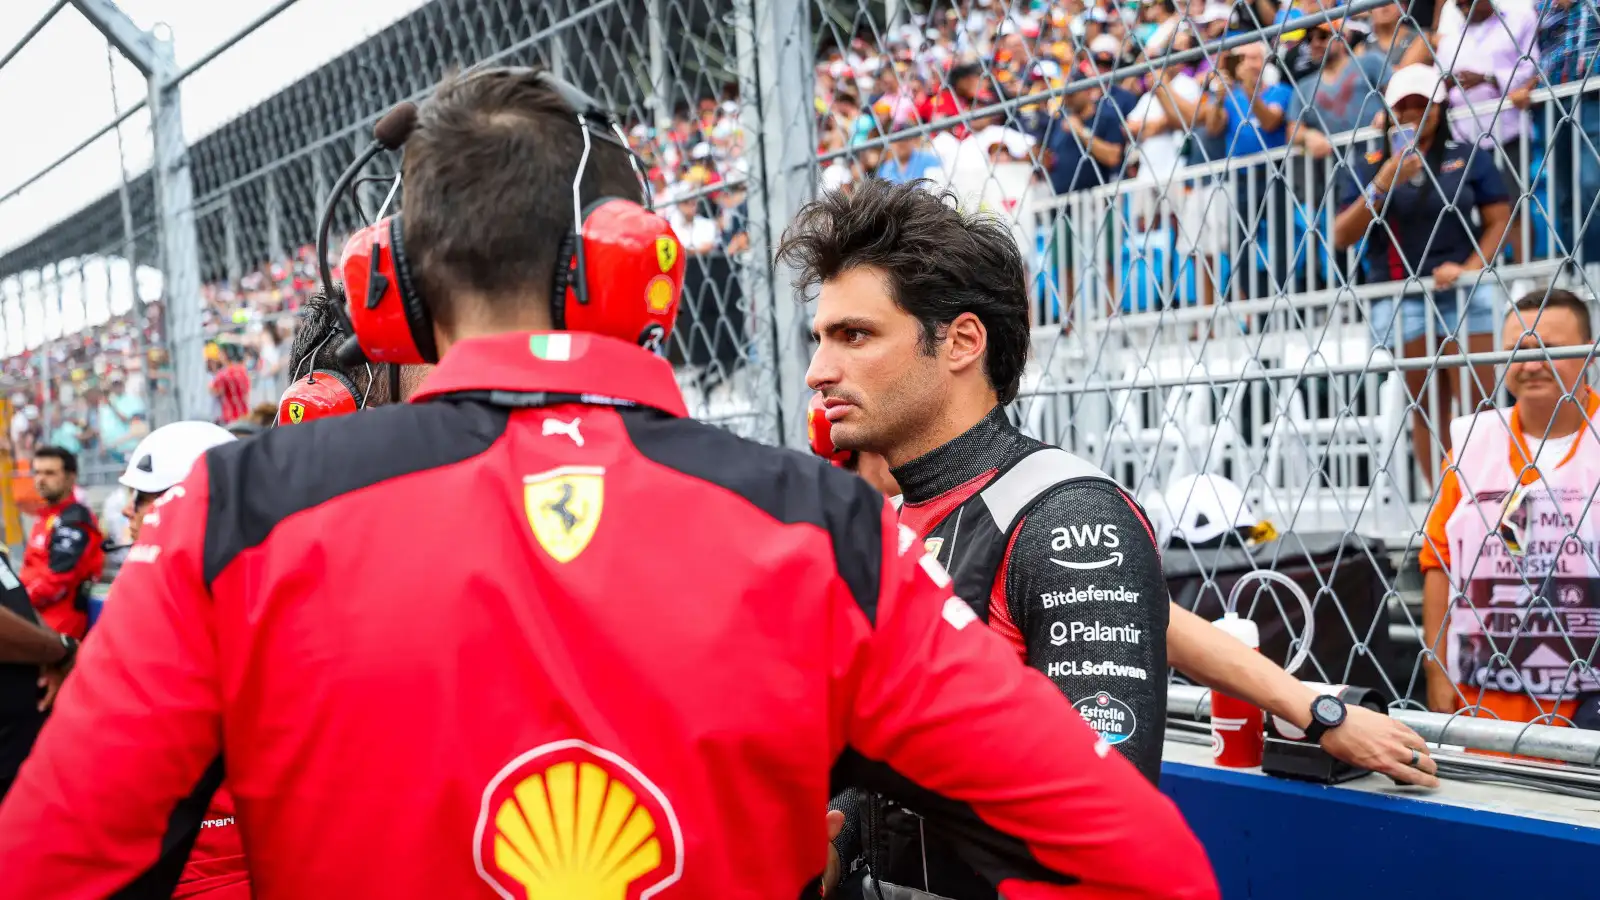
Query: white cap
{"points": [[1201, 508], [1106, 43], [1418, 80], [166, 455]]}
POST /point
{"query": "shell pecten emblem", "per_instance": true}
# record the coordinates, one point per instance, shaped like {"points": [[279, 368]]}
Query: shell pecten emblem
{"points": [[571, 821]]}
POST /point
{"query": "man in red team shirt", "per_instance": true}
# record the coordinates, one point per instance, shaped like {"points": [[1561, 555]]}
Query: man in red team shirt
{"points": [[230, 384], [64, 554], [571, 703]]}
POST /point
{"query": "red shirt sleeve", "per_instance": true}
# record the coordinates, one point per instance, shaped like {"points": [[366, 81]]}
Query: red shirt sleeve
{"points": [[136, 730], [938, 711]]}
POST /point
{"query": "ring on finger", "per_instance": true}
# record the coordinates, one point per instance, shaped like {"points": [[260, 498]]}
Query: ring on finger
{"points": [[1416, 758]]}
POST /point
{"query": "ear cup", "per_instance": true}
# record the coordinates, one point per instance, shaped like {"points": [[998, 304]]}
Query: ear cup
{"points": [[322, 394], [632, 268], [563, 280], [418, 320], [386, 311]]}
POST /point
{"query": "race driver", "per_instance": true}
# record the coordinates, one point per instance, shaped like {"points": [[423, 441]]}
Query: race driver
{"points": [[571, 702], [922, 330]]}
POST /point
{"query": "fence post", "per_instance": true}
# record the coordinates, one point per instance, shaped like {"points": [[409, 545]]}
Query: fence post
{"points": [[180, 244], [776, 76]]}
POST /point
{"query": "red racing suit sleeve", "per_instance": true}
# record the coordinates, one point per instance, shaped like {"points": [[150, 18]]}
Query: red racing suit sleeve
{"points": [[938, 712], [73, 559], [110, 800]]}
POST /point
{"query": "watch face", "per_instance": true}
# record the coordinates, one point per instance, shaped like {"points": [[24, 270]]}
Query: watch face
{"points": [[1328, 710]]}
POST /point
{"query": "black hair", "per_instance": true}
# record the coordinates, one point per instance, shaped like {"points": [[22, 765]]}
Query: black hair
{"points": [[1556, 298], [939, 263], [319, 335], [69, 460]]}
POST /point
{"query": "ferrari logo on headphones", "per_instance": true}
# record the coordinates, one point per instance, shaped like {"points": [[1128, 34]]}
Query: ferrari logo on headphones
{"points": [[563, 508], [297, 411], [666, 251]]}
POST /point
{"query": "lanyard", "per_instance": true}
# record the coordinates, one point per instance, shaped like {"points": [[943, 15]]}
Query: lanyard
{"points": [[536, 399]]}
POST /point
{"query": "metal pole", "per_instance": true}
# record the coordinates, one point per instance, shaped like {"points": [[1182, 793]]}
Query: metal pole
{"points": [[660, 102], [275, 248], [174, 185], [786, 104], [1573, 745], [32, 32]]}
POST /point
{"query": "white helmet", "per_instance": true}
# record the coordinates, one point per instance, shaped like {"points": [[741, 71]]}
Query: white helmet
{"points": [[166, 455], [1205, 507]]}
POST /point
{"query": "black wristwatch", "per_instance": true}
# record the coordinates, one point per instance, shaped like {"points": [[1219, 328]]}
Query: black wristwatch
{"points": [[70, 645], [1327, 711]]}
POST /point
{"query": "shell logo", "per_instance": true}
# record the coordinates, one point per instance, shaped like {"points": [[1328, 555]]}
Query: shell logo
{"points": [[571, 821]]}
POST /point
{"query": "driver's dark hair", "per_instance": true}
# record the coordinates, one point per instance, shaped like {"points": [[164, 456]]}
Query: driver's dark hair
{"points": [[488, 189], [939, 263], [317, 339]]}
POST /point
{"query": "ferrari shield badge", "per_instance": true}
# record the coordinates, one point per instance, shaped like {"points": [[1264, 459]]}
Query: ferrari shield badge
{"points": [[563, 508], [297, 412]]}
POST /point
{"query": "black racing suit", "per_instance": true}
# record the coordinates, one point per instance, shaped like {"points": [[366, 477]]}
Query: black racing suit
{"points": [[1063, 564]]}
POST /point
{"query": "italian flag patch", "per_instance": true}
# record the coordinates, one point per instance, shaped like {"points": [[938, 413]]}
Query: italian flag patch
{"points": [[554, 347]]}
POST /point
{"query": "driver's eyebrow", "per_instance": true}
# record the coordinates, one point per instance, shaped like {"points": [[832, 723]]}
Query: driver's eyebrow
{"points": [[844, 324]]}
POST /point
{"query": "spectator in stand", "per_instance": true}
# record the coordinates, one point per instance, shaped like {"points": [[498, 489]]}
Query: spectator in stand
{"points": [[697, 233], [1406, 210], [1084, 146], [118, 416], [230, 384], [1394, 39], [1248, 117], [1487, 54], [1105, 55], [1162, 120], [1569, 51], [908, 160], [1342, 96]]}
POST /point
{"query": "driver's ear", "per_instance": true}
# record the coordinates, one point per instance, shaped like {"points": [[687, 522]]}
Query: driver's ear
{"points": [[966, 340]]}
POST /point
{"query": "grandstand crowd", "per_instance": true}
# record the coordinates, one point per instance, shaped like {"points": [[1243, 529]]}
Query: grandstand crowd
{"points": [[1299, 88]]}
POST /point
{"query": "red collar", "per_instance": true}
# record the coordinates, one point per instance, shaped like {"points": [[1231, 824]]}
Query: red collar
{"points": [[563, 362]]}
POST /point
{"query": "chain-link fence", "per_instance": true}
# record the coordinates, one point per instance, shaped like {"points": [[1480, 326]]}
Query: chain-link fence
{"points": [[1271, 264]]}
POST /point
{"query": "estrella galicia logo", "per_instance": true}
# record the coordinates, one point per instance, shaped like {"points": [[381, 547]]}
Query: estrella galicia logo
{"points": [[1108, 716]]}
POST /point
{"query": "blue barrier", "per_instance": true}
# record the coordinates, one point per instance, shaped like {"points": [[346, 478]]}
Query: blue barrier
{"points": [[1274, 839]]}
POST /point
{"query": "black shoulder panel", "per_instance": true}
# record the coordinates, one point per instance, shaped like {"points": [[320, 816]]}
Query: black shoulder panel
{"points": [[256, 484], [77, 515], [789, 486]]}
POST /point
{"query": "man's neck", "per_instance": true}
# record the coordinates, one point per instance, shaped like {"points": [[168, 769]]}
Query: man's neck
{"points": [[1557, 420], [1333, 65], [957, 420], [532, 318], [1384, 35]]}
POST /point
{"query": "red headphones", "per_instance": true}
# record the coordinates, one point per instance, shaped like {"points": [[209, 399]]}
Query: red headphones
{"points": [[819, 431], [633, 253], [321, 394]]}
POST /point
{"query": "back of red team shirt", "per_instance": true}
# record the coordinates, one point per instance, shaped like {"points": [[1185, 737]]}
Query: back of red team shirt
{"points": [[633, 673]]}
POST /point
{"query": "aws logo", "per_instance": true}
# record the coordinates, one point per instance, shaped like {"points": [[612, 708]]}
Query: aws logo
{"points": [[571, 821]]}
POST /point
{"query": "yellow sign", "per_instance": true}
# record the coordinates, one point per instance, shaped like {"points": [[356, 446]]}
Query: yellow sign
{"points": [[297, 411], [666, 251], [569, 821], [932, 546], [563, 508]]}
